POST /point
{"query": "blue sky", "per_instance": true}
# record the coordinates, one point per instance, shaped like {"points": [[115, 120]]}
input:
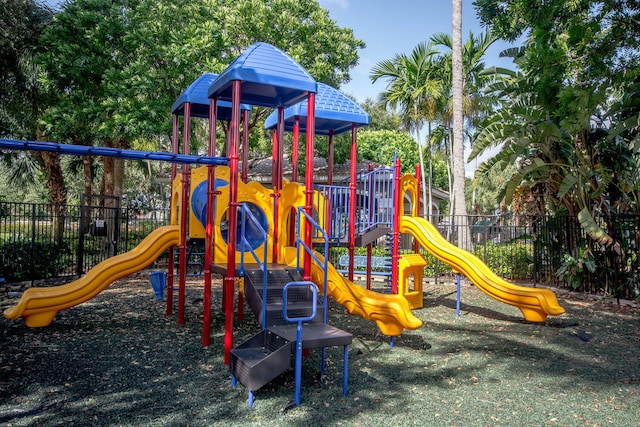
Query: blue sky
{"points": [[390, 27]]}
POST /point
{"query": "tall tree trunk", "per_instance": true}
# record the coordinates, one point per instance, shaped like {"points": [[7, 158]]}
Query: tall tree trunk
{"points": [[118, 177], [118, 170], [430, 173], [87, 168], [459, 207], [424, 189], [108, 165], [57, 191]]}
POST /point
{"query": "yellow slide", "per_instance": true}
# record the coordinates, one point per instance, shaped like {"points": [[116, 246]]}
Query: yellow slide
{"points": [[38, 306], [534, 303], [391, 313]]}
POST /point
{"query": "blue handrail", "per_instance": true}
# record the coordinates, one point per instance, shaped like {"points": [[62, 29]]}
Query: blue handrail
{"points": [[246, 213], [299, 320], [324, 264]]}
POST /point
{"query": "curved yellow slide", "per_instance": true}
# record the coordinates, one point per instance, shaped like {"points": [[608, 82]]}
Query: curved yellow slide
{"points": [[391, 313], [534, 303], [38, 306]]}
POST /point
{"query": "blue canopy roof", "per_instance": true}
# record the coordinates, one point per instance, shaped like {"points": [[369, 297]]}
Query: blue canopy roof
{"points": [[270, 78], [197, 95], [334, 111]]}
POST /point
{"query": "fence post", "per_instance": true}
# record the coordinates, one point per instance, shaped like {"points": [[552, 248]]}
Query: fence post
{"points": [[84, 221], [33, 242]]}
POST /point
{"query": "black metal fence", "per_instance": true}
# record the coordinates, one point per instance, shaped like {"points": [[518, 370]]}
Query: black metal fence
{"points": [[41, 241]]}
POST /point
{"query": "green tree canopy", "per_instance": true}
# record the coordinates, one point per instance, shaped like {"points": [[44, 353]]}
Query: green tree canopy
{"points": [[114, 67]]}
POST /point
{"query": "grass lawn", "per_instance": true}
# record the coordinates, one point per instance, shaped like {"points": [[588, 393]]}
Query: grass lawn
{"points": [[118, 360]]}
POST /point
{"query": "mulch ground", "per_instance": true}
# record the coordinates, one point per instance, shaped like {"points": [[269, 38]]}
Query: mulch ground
{"points": [[119, 360]]}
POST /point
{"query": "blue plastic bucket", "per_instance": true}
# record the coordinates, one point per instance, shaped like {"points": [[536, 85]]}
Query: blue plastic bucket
{"points": [[158, 283]]}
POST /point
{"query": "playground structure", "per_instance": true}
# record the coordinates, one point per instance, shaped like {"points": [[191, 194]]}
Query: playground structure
{"points": [[271, 243]]}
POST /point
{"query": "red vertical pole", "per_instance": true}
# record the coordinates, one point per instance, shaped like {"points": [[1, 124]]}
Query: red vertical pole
{"points": [[330, 156], [294, 176], [245, 147], [329, 208], [416, 200], [208, 241], [277, 179], [295, 152], [229, 279], [184, 214], [352, 201], [245, 178], [371, 208], [170, 262], [396, 229], [308, 208]]}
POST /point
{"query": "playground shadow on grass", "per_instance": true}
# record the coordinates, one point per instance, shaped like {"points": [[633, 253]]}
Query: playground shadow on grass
{"points": [[448, 300]]}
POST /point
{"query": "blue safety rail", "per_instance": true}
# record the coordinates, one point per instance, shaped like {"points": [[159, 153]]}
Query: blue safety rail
{"points": [[83, 150], [336, 222], [245, 244], [380, 265], [301, 245], [374, 204], [299, 321]]}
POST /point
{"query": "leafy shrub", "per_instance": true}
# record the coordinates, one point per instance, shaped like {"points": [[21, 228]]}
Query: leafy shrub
{"points": [[19, 264], [513, 260]]}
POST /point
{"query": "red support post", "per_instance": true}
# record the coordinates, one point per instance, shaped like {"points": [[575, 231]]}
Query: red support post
{"points": [[276, 180], [245, 146], [229, 279], [352, 201], [170, 261], [416, 197], [208, 241], [308, 208], [370, 246], [184, 214], [395, 257], [330, 156], [295, 154]]}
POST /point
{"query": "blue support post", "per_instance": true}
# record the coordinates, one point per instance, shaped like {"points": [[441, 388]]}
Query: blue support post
{"points": [[299, 320], [458, 295], [345, 370]]}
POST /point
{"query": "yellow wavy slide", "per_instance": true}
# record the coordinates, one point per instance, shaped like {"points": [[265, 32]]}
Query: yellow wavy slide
{"points": [[38, 306], [391, 313], [534, 303]]}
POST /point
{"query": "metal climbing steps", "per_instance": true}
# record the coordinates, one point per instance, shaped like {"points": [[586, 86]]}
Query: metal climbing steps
{"points": [[277, 277], [267, 354]]}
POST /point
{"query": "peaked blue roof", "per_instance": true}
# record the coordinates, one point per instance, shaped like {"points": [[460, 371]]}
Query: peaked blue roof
{"points": [[270, 78], [197, 95], [334, 111]]}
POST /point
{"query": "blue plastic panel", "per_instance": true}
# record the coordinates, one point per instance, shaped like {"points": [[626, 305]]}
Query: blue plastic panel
{"points": [[197, 95], [270, 78], [334, 111]]}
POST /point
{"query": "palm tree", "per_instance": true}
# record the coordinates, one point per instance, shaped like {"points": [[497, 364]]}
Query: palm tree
{"points": [[472, 103], [459, 205], [414, 86]]}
